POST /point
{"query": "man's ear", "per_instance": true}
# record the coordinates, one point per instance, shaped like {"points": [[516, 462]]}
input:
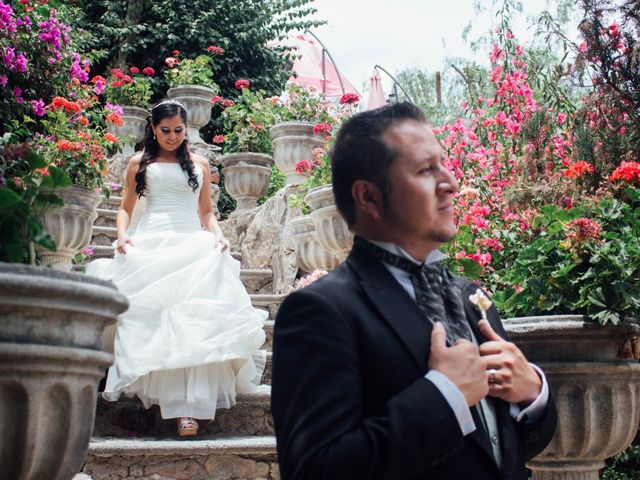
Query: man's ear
{"points": [[367, 198]]}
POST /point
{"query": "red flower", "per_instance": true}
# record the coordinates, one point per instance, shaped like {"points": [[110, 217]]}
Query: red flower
{"points": [[134, 70], [322, 128], [176, 52], [227, 103], [97, 79], [149, 71], [577, 169], [582, 229], [303, 166], [242, 84], [115, 119], [349, 98], [213, 50], [109, 137], [62, 103], [627, 171], [216, 99], [218, 139], [613, 29]]}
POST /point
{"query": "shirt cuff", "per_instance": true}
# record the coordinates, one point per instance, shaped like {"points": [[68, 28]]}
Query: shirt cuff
{"points": [[455, 399], [535, 409]]}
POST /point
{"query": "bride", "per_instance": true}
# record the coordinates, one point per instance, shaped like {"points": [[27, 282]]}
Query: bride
{"points": [[190, 339]]}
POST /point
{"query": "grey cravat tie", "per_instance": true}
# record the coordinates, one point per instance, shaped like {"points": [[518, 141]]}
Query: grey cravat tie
{"points": [[437, 295], [439, 299]]}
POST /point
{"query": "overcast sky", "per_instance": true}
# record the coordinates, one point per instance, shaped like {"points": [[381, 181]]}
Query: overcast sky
{"points": [[403, 33]]}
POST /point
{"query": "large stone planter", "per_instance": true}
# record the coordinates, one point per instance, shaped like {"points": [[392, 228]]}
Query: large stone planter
{"points": [[134, 123], [50, 365], [70, 226], [292, 142], [333, 233], [310, 253], [197, 100], [597, 391], [246, 178]]}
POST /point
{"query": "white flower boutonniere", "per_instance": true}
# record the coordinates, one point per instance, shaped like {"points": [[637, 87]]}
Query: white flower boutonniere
{"points": [[481, 302]]}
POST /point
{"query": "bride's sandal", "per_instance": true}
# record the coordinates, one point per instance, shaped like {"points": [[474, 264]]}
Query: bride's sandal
{"points": [[187, 427]]}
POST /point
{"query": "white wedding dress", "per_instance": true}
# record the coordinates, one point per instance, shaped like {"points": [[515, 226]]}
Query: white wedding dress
{"points": [[190, 339]]}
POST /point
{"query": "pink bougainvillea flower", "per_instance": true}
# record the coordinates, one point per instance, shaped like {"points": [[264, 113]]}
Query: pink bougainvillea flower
{"points": [[149, 71], [88, 251], [349, 98], [38, 107], [227, 103], [109, 137], [134, 70], [218, 139], [171, 62], [562, 117], [242, 84], [216, 99]]}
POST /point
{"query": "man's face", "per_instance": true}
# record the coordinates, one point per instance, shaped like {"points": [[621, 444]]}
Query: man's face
{"points": [[419, 211]]}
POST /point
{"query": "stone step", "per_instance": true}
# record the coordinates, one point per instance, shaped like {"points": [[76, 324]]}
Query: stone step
{"points": [[257, 280], [102, 235], [268, 330], [270, 302], [106, 250], [128, 418], [111, 203], [218, 458], [106, 217]]}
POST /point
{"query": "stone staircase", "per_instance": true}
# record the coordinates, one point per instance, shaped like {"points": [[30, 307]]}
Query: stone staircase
{"points": [[130, 442]]}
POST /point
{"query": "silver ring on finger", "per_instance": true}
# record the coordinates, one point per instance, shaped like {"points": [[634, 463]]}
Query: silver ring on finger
{"points": [[492, 376]]}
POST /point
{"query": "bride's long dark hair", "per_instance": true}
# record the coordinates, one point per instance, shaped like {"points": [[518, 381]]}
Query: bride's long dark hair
{"points": [[162, 110]]}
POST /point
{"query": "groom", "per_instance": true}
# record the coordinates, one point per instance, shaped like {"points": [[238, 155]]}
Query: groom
{"points": [[384, 368]]}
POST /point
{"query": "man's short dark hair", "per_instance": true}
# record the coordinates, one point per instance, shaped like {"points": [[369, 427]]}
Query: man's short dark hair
{"points": [[360, 152]]}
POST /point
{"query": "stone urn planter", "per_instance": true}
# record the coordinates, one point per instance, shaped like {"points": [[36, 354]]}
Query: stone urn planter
{"points": [[292, 142], [246, 178], [310, 253], [333, 233], [596, 381], [70, 226], [50, 329], [197, 100], [134, 123]]}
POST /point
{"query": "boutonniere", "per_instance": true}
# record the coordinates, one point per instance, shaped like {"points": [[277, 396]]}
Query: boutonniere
{"points": [[481, 302]]}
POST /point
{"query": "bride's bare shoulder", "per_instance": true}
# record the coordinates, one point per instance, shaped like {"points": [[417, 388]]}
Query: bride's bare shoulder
{"points": [[200, 160], [134, 160]]}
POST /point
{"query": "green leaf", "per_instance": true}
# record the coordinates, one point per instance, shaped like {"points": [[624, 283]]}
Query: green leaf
{"points": [[8, 198], [472, 269], [35, 161]]}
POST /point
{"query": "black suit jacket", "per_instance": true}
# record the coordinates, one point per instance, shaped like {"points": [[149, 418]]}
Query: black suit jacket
{"points": [[349, 397]]}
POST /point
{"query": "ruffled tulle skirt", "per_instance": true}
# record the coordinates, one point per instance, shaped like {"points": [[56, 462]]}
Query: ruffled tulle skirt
{"points": [[190, 340]]}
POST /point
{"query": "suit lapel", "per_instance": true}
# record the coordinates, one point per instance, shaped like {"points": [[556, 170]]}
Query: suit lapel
{"points": [[395, 305], [404, 317]]}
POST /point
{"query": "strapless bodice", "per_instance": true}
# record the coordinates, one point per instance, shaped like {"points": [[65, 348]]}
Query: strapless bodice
{"points": [[171, 204]]}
